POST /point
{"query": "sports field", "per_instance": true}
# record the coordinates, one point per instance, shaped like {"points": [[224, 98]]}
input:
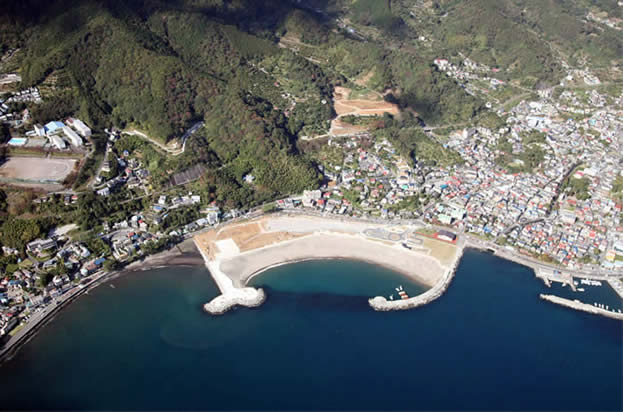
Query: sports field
{"points": [[36, 169]]}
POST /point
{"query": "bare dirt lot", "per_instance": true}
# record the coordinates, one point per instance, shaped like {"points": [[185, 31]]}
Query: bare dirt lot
{"points": [[36, 169], [344, 106]]}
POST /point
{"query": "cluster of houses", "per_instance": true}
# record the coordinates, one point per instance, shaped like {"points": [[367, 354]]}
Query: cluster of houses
{"points": [[24, 289], [129, 243], [531, 210], [31, 94], [527, 209], [471, 76], [131, 174], [369, 181]]}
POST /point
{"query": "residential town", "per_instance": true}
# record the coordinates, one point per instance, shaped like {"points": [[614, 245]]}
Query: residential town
{"points": [[547, 184]]}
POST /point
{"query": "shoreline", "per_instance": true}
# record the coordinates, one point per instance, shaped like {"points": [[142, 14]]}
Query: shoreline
{"points": [[165, 258], [421, 268], [343, 258], [187, 254]]}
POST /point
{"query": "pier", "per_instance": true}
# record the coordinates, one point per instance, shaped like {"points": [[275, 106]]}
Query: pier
{"points": [[381, 304], [585, 307], [550, 275]]}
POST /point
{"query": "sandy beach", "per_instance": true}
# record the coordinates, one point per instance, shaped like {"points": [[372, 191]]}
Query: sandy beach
{"points": [[421, 268], [243, 250]]}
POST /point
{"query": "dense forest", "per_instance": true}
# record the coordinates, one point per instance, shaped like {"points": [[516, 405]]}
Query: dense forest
{"points": [[261, 74]]}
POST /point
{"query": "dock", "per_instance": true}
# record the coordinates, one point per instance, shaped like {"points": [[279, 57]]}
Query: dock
{"points": [[585, 307], [551, 275], [617, 285]]}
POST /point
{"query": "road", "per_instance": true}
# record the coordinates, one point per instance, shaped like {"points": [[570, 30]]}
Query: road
{"points": [[173, 152], [39, 318]]}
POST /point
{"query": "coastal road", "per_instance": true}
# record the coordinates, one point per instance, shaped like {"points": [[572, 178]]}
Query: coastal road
{"points": [[39, 318]]}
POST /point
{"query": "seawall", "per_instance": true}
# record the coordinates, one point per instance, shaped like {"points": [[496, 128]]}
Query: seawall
{"points": [[585, 307], [230, 296], [381, 304]]}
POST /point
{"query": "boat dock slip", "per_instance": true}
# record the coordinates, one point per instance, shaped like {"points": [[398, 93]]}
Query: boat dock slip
{"points": [[552, 275], [585, 307], [617, 285]]}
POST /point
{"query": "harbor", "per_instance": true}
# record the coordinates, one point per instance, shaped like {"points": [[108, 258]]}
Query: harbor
{"points": [[236, 253]]}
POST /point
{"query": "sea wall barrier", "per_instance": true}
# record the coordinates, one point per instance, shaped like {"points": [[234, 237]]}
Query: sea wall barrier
{"points": [[381, 304], [230, 296], [585, 307]]}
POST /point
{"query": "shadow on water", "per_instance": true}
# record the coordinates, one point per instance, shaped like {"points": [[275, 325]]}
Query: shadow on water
{"points": [[303, 301]]}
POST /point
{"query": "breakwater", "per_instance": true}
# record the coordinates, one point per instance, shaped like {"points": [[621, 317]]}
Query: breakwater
{"points": [[381, 304], [585, 307], [230, 296], [248, 297]]}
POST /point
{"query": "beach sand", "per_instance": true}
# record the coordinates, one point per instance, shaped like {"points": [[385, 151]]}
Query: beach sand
{"points": [[421, 268], [182, 254]]}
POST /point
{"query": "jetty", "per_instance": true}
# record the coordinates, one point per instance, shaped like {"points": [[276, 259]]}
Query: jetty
{"points": [[230, 296], [585, 307], [381, 304]]}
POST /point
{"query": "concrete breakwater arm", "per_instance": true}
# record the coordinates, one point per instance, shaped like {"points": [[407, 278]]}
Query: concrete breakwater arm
{"points": [[230, 296], [585, 307], [381, 304]]}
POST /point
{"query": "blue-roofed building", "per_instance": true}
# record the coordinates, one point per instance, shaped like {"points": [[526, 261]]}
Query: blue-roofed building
{"points": [[54, 127]]}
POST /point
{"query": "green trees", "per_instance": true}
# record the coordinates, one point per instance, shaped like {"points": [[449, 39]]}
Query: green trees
{"points": [[413, 144], [578, 188], [16, 233]]}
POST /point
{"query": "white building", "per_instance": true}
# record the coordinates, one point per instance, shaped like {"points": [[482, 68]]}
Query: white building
{"points": [[72, 136], [39, 130], [57, 141], [82, 128]]}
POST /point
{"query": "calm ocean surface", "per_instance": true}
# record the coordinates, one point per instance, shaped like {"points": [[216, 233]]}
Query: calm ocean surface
{"points": [[488, 343]]}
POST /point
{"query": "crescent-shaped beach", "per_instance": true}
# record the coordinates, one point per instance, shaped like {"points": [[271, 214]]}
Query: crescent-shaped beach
{"points": [[235, 253]]}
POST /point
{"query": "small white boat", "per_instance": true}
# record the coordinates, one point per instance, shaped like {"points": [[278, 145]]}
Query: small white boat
{"points": [[391, 297], [580, 289]]}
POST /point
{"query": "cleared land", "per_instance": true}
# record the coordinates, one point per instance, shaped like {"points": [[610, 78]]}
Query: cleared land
{"points": [[345, 106], [36, 169]]}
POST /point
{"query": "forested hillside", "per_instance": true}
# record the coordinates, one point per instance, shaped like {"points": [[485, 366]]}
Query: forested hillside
{"points": [[261, 74]]}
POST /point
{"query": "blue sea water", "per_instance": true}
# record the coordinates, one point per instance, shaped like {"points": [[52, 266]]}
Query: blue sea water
{"points": [[488, 343]]}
